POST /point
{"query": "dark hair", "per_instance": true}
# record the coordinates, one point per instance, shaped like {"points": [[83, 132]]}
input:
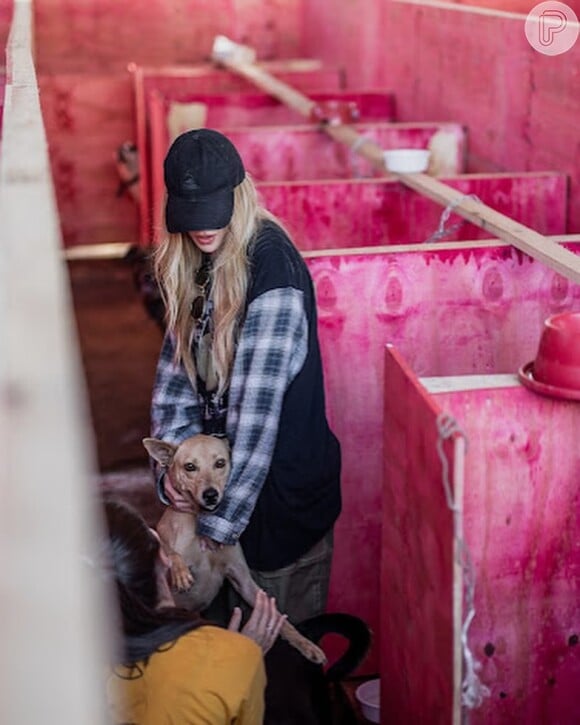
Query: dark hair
{"points": [[130, 556]]}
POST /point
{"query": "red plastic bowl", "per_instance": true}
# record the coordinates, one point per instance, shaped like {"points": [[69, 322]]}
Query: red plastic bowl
{"points": [[557, 362]]}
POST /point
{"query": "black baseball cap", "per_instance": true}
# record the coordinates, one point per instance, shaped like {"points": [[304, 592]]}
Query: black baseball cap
{"points": [[201, 170]]}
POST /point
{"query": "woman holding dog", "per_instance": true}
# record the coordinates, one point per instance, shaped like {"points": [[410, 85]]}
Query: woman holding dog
{"points": [[241, 359], [172, 666]]}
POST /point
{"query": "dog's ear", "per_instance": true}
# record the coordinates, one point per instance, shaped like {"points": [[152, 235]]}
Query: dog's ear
{"points": [[160, 451]]}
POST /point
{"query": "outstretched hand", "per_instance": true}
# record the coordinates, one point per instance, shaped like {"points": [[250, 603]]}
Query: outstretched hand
{"points": [[264, 624]]}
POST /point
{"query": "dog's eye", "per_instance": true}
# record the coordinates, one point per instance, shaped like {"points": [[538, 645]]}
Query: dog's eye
{"points": [[190, 467], [220, 463]]}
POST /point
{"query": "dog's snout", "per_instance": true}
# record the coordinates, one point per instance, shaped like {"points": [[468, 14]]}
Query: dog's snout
{"points": [[210, 496]]}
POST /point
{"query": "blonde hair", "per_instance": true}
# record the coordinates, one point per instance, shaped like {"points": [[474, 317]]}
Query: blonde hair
{"points": [[176, 261]]}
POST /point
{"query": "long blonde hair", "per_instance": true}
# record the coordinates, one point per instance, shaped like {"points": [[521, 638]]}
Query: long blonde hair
{"points": [[176, 260]]}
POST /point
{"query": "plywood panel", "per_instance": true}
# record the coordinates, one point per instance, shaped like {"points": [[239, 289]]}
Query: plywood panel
{"points": [[87, 118], [119, 346], [522, 527], [358, 213], [153, 85], [290, 153], [449, 312], [416, 556], [520, 106], [258, 109], [104, 35]]}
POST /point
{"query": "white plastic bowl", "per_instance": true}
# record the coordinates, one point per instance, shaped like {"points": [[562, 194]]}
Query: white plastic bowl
{"points": [[369, 696], [407, 161]]}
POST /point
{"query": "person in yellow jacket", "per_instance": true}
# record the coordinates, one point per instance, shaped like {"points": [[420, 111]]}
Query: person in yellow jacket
{"points": [[174, 667]]}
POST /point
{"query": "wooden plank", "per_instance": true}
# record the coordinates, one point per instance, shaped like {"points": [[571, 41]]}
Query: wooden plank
{"points": [[117, 250], [52, 602]]}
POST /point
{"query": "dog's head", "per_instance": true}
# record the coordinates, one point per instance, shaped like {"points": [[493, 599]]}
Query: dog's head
{"points": [[199, 467]]}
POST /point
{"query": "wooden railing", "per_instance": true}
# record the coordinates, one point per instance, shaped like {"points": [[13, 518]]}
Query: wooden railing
{"points": [[53, 612]]}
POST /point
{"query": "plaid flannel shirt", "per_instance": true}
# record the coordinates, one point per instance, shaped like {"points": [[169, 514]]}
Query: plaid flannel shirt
{"points": [[270, 353]]}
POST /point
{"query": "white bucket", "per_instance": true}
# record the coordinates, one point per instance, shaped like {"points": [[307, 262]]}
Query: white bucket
{"points": [[369, 696]]}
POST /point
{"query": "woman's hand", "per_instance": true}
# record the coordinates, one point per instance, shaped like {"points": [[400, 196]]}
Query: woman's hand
{"points": [[264, 624], [178, 501]]}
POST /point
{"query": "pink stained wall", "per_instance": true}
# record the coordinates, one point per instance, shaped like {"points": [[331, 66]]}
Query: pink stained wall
{"points": [[416, 557], [462, 64], [82, 53], [104, 35], [521, 526], [370, 212], [450, 311], [87, 116], [254, 108]]}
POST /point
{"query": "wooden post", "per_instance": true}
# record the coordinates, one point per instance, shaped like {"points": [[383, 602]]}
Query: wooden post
{"points": [[54, 628], [241, 60]]}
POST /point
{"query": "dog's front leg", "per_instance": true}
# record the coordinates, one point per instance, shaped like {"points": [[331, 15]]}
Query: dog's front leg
{"points": [[176, 530]]}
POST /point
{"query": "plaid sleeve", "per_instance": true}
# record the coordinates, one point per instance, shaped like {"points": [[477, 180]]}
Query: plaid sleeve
{"points": [[271, 352], [175, 413]]}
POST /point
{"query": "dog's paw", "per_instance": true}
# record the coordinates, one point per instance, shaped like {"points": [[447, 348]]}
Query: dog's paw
{"points": [[313, 653], [181, 577]]}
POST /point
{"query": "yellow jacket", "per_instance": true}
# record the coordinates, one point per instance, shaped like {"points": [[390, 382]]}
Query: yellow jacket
{"points": [[209, 676]]}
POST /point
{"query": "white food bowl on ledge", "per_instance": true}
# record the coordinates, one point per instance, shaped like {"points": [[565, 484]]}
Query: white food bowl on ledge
{"points": [[369, 696], [407, 161]]}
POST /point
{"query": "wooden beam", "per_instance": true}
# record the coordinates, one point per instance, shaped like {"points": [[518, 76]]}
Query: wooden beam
{"points": [[241, 60], [53, 603], [506, 228]]}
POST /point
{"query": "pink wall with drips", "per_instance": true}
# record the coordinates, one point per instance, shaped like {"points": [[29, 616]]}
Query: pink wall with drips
{"points": [[449, 311], [521, 522], [362, 212], [518, 489], [463, 64]]}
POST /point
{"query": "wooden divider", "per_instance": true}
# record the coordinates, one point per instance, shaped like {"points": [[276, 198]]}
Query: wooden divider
{"points": [[420, 611], [53, 624], [450, 310], [308, 75], [521, 528], [240, 60], [373, 212]]}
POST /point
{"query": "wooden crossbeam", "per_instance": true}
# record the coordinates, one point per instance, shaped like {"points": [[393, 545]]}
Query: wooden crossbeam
{"points": [[240, 59]]}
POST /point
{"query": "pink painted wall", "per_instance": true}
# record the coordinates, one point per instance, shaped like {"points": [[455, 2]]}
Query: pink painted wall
{"points": [[416, 557], [465, 65], [88, 115], [104, 35], [252, 108], [450, 311], [520, 531], [289, 153], [365, 212], [522, 524]]}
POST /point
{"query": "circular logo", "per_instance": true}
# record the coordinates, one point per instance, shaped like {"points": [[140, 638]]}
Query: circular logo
{"points": [[552, 27]]}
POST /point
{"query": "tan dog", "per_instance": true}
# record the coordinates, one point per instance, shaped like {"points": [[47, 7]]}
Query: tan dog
{"points": [[199, 469]]}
